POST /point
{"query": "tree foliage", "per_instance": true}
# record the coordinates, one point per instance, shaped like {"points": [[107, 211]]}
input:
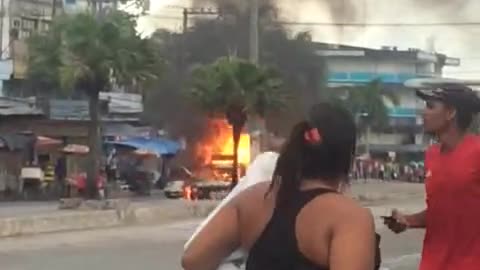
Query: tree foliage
{"points": [[90, 54], [82, 50], [366, 102], [231, 83]]}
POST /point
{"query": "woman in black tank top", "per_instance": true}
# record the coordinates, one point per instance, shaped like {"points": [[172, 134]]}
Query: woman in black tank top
{"points": [[301, 221]]}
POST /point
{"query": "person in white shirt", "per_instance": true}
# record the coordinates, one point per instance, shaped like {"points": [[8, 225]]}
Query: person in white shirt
{"points": [[261, 170]]}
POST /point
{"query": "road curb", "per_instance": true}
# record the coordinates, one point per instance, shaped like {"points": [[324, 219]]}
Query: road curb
{"points": [[59, 222], [77, 220]]}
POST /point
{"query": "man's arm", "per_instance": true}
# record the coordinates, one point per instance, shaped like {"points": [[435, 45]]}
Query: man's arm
{"points": [[416, 221], [402, 222]]}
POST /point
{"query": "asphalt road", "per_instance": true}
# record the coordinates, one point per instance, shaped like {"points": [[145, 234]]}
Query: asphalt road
{"points": [[146, 248]]}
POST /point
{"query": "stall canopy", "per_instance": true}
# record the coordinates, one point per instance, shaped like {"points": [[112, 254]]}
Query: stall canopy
{"points": [[43, 141], [158, 146], [76, 149]]}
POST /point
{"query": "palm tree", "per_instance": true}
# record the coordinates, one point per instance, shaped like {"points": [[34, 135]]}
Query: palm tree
{"points": [[235, 89], [294, 57], [367, 103], [84, 53]]}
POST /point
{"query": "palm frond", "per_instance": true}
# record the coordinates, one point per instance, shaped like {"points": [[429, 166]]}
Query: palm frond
{"points": [[234, 83], [80, 48]]}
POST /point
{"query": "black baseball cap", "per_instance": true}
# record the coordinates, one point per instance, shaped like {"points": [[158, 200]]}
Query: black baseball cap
{"points": [[457, 95]]}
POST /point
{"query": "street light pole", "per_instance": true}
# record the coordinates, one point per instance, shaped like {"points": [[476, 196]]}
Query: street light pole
{"points": [[100, 8], [367, 139], [368, 129]]}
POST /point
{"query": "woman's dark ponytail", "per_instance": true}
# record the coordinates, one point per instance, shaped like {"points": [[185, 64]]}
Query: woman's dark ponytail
{"points": [[321, 148], [288, 170]]}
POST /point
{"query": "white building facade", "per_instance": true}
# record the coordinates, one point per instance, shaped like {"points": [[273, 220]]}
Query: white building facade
{"points": [[20, 18], [73, 6]]}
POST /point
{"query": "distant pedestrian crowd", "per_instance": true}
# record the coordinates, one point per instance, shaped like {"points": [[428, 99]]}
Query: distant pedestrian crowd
{"points": [[388, 170]]}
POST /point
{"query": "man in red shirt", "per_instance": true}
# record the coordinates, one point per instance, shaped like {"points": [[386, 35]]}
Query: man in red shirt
{"points": [[452, 217]]}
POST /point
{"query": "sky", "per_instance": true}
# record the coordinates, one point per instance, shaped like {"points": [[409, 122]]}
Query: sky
{"points": [[455, 41]]}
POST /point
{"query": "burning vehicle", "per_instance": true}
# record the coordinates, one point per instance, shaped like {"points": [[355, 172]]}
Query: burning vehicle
{"points": [[215, 158], [215, 152]]}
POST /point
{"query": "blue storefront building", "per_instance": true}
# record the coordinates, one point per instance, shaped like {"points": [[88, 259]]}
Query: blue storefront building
{"points": [[350, 66]]}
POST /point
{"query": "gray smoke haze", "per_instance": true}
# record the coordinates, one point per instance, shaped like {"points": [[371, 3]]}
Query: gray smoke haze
{"points": [[348, 10], [455, 41]]}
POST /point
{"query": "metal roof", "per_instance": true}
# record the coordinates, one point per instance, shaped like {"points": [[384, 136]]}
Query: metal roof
{"points": [[18, 106], [411, 54], [121, 107]]}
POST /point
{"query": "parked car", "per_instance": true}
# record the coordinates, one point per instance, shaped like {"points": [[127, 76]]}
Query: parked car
{"points": [[174, 189]]}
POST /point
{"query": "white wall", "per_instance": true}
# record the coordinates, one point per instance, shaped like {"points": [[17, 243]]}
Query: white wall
{"points": [[79, 5], [383, 138], [5, 32], [426, 68], [75, 6], [408, 99], [389, 66], [354, 64], [360, 64]]}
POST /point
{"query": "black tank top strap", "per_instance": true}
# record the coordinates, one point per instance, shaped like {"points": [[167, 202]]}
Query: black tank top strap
{"points": [[302, 198], [277, 246]]}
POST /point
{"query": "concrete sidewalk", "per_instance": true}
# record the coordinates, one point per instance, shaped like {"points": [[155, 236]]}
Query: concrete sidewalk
{"points": [[26, 219], [133, 214]]}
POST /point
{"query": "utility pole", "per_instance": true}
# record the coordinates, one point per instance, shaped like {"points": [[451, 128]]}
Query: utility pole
{"points": [[260, 138], [187, 12], [197, 12], [54, 8], [100, 8], [185, 21], [254, 43]]}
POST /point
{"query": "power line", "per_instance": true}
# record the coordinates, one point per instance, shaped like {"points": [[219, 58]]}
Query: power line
{"points": [[357, 24], [161, 17], [463, 71], [379, 24]]}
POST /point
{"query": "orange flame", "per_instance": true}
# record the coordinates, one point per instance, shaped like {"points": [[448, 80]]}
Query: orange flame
{"points": [[219, 142]]}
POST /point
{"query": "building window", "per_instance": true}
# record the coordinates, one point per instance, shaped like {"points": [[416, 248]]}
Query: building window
{"points": [[44, 26], [29, 24], [16, 24], [25, 34]]}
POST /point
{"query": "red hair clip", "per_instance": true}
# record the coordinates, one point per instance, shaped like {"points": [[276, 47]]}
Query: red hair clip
{"points": [[313, 136]]}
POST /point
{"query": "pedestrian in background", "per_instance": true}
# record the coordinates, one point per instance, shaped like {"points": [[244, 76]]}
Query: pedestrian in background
{"points": [[452, 216]]}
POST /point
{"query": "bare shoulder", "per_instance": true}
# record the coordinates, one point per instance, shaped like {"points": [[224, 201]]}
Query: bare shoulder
{"points": [[257, 191], [341, 208]]}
